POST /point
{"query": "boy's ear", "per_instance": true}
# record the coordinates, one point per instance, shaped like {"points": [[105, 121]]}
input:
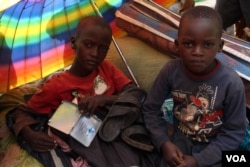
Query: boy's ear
{"points": [[221, 45], [73, 40]]}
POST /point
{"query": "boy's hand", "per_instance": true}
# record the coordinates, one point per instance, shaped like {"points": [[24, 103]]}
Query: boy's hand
{"points": [[90, 104], [172, 154], [39, 141], [189, 161]]}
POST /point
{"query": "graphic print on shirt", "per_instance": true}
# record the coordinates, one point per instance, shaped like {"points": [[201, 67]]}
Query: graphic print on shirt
{"points": [[195, 113], [100, 87]]}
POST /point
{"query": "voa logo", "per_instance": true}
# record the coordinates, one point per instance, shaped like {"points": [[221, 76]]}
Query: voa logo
{"points": [[236, 158]]}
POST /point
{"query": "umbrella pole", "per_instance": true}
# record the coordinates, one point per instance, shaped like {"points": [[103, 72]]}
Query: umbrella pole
{"points": [[117, 47]]}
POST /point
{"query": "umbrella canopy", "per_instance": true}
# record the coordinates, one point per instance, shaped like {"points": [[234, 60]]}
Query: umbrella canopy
{"points": [[35, 36]]}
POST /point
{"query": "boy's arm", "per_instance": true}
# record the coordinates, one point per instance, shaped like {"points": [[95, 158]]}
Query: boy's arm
{"points": [[232, 131], [153, 116], [22, 117], [22, 120]]}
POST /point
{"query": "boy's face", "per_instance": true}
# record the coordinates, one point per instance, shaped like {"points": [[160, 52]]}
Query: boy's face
{"points": [[91, 47], [198, 42]]}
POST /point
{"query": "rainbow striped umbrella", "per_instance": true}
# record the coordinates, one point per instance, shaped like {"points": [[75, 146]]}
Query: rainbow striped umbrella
{"points": [[35, 36]]}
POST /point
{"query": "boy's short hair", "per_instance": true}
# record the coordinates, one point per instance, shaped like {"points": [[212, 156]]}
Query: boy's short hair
{"points": [[204, 12], [92, 19]]}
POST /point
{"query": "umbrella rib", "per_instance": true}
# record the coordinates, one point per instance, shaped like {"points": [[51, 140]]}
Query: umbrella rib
{"points": [[14, 35], [53, 30], [40, 48], [27, 39], [40, 35], [66, 16]]}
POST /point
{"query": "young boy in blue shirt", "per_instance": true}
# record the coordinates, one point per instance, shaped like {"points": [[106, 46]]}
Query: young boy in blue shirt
{"points": [[209, 98]]}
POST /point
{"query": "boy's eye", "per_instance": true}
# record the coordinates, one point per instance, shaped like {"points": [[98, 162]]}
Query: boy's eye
{"points": [[208, 44], [103, 49], [188, 44], [88, 44]]}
